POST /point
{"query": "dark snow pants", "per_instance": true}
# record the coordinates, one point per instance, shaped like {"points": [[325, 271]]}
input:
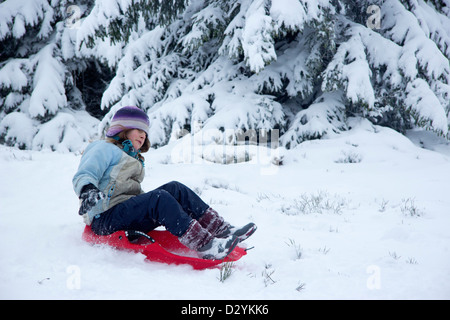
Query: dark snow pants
{"points": [[172, 205]]}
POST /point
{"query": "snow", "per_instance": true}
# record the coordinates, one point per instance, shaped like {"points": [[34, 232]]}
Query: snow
{"points": [[18, 27], [362, 215], [288, 12]]}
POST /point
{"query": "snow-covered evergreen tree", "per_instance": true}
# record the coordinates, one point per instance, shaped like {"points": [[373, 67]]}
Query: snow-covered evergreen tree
{"points": [[40, 105], [397, 71], [299, 66], [224, 65], [220, 69]]}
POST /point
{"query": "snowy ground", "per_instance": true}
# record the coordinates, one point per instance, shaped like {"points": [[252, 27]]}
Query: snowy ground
{"points": [[364, 215]]}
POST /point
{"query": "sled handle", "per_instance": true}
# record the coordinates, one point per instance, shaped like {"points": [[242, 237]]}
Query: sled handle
{"points": [[132, 233]]}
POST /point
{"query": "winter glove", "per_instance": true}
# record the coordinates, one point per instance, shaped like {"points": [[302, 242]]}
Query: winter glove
{"points": [[89, 197]]}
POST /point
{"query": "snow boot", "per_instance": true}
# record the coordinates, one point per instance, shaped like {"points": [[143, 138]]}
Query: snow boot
{"points": [[213, 222], [199, 239], [218, 248], [219, 228], [241, 233]]}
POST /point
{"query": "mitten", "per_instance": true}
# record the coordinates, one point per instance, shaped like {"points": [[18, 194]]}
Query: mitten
{"points": [[89, 197]]}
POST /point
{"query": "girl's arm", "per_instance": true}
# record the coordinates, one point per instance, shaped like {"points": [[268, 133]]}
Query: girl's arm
{"points": [[96, 160]]}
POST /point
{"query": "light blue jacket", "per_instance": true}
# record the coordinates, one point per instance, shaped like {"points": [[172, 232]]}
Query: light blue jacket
{"points": [[112, 171]]}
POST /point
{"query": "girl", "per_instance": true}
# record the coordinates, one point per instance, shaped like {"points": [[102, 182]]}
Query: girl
{"points": [[108, 184]]}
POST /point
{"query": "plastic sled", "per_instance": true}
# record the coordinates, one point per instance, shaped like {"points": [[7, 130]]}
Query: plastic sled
{"points": [[158, 246]]}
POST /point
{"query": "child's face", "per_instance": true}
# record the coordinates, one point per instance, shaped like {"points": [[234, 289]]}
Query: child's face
{"points": [[137, 138]]}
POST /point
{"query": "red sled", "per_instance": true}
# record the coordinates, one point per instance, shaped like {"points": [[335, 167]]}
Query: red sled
{"points": [[158, 246]]}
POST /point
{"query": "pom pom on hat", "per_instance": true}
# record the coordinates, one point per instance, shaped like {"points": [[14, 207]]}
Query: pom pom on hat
{"points": [[129, 117]]}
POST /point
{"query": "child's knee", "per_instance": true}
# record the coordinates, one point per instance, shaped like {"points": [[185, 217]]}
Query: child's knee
{"points": [[173, 186]]}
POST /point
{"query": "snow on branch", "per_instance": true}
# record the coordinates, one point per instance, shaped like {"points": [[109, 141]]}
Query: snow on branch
{"points": [[135, 67], [350, 69], [13, 75], [419, 53], [48, 93], [257, 42], [206, 24], [17, 129], [17, 15], [68, 131], [425, 107], [324, 116]]}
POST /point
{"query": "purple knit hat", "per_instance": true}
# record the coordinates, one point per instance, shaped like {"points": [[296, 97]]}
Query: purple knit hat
{"points": [[128, 118]]}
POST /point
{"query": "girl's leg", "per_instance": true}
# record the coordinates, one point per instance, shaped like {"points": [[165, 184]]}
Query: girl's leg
{"points": [[196, 207], [152, 209], [208, 218], [144, 213], [191, 203]]}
